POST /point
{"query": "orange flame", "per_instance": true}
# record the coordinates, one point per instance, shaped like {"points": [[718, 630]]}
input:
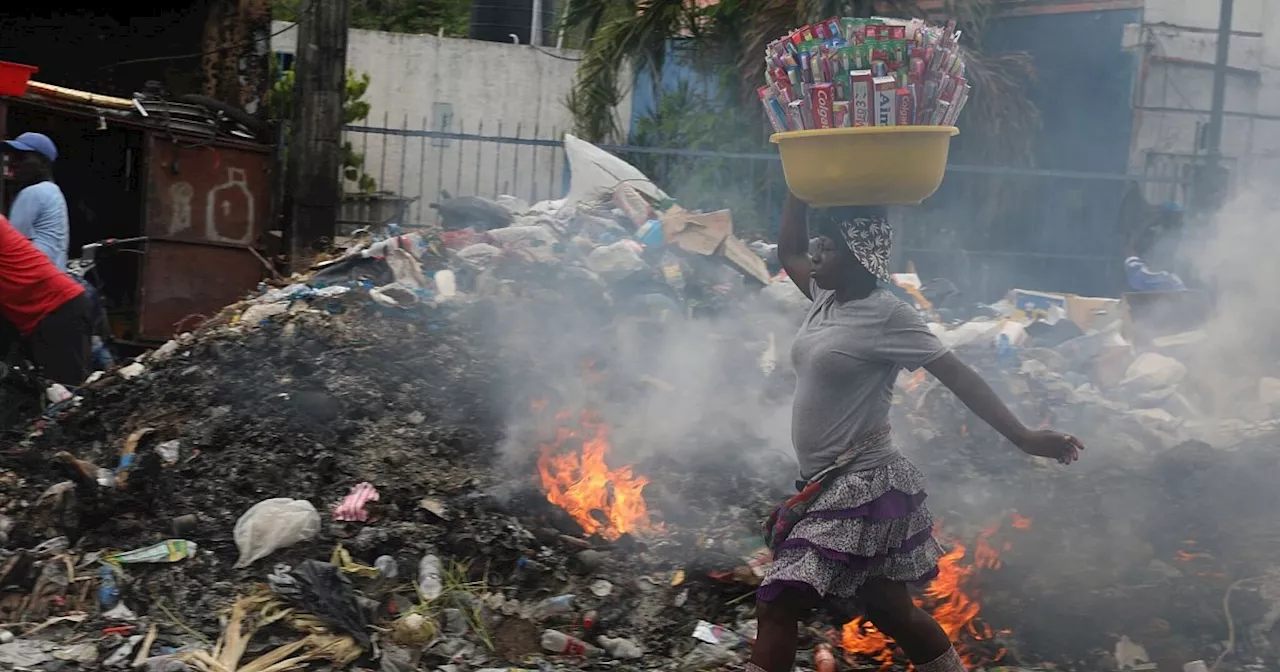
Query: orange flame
{"points": [[984, 554], [953, 606], [945, 597], [583, 485], [916, 380]]}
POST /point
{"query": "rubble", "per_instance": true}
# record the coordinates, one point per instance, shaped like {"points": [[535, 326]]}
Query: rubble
{"points": [[515, 475]]}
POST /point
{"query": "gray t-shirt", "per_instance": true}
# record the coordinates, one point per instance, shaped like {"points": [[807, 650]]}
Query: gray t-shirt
{"points": [[847, 357]]}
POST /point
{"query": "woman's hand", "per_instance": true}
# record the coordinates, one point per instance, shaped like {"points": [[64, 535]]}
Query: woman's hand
{"points": [[1044, 443]]}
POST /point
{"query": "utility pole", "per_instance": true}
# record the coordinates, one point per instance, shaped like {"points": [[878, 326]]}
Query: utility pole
{"points": [[1213, 175], [315, 147], [1213, 137]]}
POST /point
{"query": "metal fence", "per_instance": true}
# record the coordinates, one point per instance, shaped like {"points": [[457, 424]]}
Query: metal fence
{"points": [[1054, 229]]}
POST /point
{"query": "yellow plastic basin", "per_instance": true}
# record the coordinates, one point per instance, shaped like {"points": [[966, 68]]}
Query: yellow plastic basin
{"points": [[869, 165]]}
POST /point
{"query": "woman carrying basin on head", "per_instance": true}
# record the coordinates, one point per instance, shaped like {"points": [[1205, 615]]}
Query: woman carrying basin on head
{"points": [[859, 529]]}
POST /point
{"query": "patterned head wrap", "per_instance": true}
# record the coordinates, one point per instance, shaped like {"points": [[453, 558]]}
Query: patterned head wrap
{"points": [[867, 233]]}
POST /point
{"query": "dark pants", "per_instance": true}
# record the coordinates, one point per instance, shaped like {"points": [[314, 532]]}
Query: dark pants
{"points": [[60, 344]]}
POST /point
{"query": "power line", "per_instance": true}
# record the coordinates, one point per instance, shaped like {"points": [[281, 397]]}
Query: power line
{"points": [[178, 57]]}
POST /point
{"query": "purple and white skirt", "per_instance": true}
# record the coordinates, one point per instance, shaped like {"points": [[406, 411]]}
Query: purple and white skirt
{"points": [[862, 525]]}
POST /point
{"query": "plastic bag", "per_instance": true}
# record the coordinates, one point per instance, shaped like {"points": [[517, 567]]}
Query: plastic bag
{"points": [[616, 261], [595, 173], [273, 524]]}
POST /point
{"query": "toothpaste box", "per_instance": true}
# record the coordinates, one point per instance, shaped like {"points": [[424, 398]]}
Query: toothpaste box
{"points": [[904, 107], [822, 111], [886, 109], [861, 99]]}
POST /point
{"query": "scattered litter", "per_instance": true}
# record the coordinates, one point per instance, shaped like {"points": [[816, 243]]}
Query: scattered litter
{"points": [[172, 550], [120, 613], [352, 507], [273, 524], [25, 653]]}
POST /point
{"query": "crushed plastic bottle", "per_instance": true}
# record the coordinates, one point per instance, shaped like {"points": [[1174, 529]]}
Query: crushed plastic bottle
{"points": [[528, 570], [429, 581], [554, 641], [108, 591], [554, 606], [622, 648]]}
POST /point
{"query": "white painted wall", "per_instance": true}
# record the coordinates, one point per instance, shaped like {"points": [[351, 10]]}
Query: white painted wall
{"points": [[461, 86], [1177, 44]]}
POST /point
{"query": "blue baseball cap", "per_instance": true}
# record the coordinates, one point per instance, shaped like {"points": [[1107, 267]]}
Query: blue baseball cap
{"points": [[35, 142]]}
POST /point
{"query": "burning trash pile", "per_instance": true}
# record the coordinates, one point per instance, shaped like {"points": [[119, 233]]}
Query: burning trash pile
{"points": [[502, 445]]}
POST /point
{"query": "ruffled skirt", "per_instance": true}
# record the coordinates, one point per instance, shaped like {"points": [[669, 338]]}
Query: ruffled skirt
{"points": [[866, 524]]}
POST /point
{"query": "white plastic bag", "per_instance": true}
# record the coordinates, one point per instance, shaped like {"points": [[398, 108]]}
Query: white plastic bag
{"points": [[595, 173], [616, 261], [273, 524]]}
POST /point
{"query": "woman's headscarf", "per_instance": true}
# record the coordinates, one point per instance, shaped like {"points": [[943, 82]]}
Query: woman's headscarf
{"points": [[867, 233]]}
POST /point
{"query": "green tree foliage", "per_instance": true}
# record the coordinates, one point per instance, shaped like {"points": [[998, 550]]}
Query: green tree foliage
{"points": [[396, 16], [354, 109]]}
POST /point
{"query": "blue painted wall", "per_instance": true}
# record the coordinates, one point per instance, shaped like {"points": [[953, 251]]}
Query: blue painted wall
{"points": [[676, 70]]}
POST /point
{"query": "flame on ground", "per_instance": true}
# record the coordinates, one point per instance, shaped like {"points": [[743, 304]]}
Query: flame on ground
{"points": [[604, 501], [952, 604]]}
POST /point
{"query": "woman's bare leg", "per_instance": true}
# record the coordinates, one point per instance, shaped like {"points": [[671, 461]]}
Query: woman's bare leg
{"points": [[775, 648], [889, 607]]}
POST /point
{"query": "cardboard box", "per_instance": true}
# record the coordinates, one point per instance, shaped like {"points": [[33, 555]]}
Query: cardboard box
{"points": [[1031, 305], [711, 234], [1088, 312], [1092, 313], [697, 233]]}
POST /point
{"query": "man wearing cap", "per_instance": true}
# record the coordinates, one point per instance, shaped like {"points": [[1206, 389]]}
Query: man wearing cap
{"points": [[39, 212]]}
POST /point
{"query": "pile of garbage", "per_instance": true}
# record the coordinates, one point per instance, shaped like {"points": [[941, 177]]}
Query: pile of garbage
{"points": [[323, 484]]}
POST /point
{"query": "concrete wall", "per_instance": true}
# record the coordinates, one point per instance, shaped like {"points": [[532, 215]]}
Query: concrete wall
{"points": [[423, 82], [1176, 43]]}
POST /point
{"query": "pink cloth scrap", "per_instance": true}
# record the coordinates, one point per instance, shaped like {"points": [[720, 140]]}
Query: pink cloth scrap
{"points": [[352, 507]]}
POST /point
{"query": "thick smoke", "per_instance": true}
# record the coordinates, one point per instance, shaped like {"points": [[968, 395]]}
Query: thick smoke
{"points": [[667, 385], [1234, 255]]}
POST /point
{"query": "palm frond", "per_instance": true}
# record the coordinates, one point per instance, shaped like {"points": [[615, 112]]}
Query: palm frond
{"points": [[640, 36]]}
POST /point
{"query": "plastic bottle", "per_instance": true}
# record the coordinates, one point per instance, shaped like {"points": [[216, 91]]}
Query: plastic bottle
{"points": [[622, 648], [387, 567], [554, 641], [429, 581], [528, 570], [824, 659], [108, 591], [102, 358], [552, 606]]}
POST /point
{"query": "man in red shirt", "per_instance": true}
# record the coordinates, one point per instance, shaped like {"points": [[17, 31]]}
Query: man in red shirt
{"points": [[46, 307]]}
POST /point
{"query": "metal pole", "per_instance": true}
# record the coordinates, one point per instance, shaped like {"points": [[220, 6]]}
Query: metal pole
{"points": [[535, 24], [1213, 137]]}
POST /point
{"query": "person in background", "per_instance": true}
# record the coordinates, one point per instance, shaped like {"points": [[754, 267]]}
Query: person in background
{"points": [[859, 528], [1143, 279], [39, 212], [45, 308], [1155, 244]]}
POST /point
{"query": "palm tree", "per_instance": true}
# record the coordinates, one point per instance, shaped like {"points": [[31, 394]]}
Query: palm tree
{"points": [[1000, 121]]}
